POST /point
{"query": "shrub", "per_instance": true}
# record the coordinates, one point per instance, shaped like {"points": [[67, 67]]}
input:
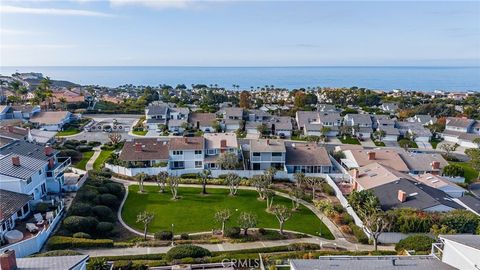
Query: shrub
{"points": [[163, 235], [303, 246], [103, 190], [328, 189], [94, 143], [84, 148], [87, 194], [462, 221], [232, 232], [42, 207], [417, 242], [346, 218], [189, 175], [63, 242], [115, 189], [187, 251], [262, 231], [55, 253], [73, 154], [103, 213], [346, 229], [453, 170], [80, 224], [81, 209], [184, 236], [104, 227], [81, 235], [359, 233], [109, 200]]}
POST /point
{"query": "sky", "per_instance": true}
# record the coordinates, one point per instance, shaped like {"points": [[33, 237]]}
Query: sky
{"points": [[239, 33]]}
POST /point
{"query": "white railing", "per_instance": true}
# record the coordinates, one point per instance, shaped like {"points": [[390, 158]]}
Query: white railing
{"points": [[135, 171]]}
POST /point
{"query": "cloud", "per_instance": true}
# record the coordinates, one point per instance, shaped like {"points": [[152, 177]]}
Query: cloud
{"points": [[157, 4], [51, 11]]}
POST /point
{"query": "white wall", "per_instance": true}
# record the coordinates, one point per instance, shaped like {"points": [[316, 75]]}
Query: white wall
{"points": [[460, 256]]}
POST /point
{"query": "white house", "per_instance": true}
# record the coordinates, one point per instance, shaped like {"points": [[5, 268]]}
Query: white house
{"points": [[51, 120], [186, 153], [461, 251]]}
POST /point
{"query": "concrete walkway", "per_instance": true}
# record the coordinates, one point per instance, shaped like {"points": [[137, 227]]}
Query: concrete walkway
{"points": [[89, 165]]}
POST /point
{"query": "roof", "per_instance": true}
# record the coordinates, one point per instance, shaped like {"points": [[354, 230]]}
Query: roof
{"points": [[176, 122], [281, 122], [151, 149], [23, 108], [330, 117], [464, 239], [51, 263], [49, 118], [28, 166], [203, 119], [13, 132], [424, 118], [5, 141], [389, 130], [156, 109], [361, 119], [25, 148], [11, 202], [267, 145], [186, 143], [375, 174], [181, 110], [415, 127], [422, 161], [471, 202], [313, 127], [459, 122], [213, 140], [308, 154], [371, 262], [233, 112], [385, 157], [435, 181], [419, 196], [306, 117]]}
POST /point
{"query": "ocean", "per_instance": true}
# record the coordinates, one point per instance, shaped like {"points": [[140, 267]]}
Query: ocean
{"points": [[379, 78]]}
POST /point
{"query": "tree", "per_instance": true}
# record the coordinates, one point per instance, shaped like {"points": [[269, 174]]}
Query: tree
{"points": [[247, 220], [222, 216], [262, 129], [115, 138], [344, 130], [379, 134], [474, 155], [324, 131], [227, 160], [314, 183], [448, 148], [145, 218], [63, 102], [204, 175], [453, 170], [282, 213], [270, 174], [98, 264], [441, 229], [233, 180], [141, 177], [299, 178], [269, 194], [295, 195], [374, 219], [245, 100], [161, 180], [173, 182], [299, 100]]}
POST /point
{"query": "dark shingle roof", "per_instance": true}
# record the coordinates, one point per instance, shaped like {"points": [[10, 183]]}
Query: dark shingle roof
{"points": [[307, 154], [464, 239], [25, 148], [28, 166], [472, 202], [51, 263], [157, 109], [11, 202]]}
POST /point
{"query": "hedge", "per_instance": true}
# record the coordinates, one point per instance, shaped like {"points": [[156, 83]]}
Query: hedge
{"points": [[103, 213], [187, 251], [55, 253], [359, 233], [232, 232], [104, 228], [417, 242], [81, 209], [82, 235], [163, 235], [64, 242], [80, 224], [109, 200]]}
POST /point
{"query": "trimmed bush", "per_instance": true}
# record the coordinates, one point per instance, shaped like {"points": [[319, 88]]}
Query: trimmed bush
{"points": [[184, 236], [103, 213], [417, 242], [232, 232], [80, 224], [80, 209], [187, 251], [81, 235], [84, 148], [104, 227], [359, 233], [109, 200], [103, 190], [55, 253], [303, 246], [115, 189], [163, 235], [42, 207], [262, 231], [189, 175], [63, 242]]}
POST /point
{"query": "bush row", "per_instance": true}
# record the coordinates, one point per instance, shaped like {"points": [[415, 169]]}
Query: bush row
{"points": [[64, 242]]}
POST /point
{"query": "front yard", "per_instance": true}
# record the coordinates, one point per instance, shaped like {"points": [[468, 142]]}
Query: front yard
{"points": [[470, 173], [348, 140], [83, 162], [69, 132], [194, 212], [100, 161]]}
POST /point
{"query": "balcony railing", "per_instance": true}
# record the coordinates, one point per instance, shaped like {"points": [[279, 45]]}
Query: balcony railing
{"points": [[62, 164], [268, 159]]}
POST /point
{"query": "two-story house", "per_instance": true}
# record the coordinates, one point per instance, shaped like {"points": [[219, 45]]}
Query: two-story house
{"points": [[423, 119], [51, 120], [156, 114], [178, 118], [186, 153], [362, 124], [462, 131], [266, 153], [232, 118], [313, 123], [216, 144]]}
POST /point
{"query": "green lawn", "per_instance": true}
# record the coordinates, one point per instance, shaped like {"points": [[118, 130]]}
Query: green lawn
{"points": [[69, 132], [140, 132], [470, 173], [349, 140], [379, 143], [434, 143], [98, 164], [195, 212], [408, 143], [83, 162]]}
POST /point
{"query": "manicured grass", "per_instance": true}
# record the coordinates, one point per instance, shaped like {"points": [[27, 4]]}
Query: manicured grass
{"points": [[470, 173], [98, 164], [379, 143], [434, 143], [69, 132], [195, 212], [140, 132], [410, 144], [83, 162], [349, 140]]}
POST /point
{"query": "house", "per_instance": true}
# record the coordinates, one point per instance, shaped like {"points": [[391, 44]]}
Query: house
{"points": [[257, 116], [356, 158], [13, 206], [374, 175], [186, 153], [266, 153], [423, 119], [281, 126], [438, 182], [391, 133], [383, 121], [8, 261], [327, 108], [156, 114], [462, 131], [3, 111], [24, 112], [362, 122], [32, 135], [389, 107], [217, 144], [307, 158], [311, 123], [421, 163], [231, 118], [203, 121], [51, 120], [144, 152], [461, 251], [414, 130]]}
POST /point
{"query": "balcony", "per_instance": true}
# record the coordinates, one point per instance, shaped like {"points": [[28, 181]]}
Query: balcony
{"points": [[268, 159], [62, 164]]}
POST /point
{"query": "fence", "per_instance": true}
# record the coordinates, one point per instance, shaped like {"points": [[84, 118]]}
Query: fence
{"points": [[135, 171]]}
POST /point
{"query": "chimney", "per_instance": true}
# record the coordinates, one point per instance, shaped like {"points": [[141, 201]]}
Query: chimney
{"points": [[16, 161], [185, 140], [8, 261], [435, 165], [10, 129], [223, 143], [48, 150], [402, 196], [51, 163], [371, 155], [268, 142], [356, 174], [138, 147]]}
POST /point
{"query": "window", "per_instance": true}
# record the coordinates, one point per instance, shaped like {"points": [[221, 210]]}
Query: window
{"points": [[29, 180], [25, 208], [178, 164], [39, 172], [256, 166], [177, 153], [198, 164], [276, 154], [256, 154], [198, 152]]}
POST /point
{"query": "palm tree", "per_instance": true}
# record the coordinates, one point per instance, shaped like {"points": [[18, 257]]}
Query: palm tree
{"points": [[141, 177], [204, 175]]}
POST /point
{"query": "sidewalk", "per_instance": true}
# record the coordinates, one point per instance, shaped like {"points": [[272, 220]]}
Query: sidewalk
{"points": [[89, 165]]}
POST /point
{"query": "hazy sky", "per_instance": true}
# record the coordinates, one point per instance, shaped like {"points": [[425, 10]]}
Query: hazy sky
{"points": [[239, 33]]}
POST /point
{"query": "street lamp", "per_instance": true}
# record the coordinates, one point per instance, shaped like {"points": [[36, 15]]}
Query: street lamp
{"points": [[173, 236]]}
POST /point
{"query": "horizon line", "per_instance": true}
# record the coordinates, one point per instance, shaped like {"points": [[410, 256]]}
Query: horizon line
{"points": [[261, 66]]}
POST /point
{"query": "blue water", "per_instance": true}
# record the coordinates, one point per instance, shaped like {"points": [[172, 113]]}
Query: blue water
{"points": [[383, 78]]}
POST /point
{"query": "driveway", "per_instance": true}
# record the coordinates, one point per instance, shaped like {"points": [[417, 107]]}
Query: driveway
{"points": [[391, 143], [101, 136], [424, 145], [367, 142]]}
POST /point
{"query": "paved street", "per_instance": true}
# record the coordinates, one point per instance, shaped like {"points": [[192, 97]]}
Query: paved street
{"points": [[101, 136]]}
